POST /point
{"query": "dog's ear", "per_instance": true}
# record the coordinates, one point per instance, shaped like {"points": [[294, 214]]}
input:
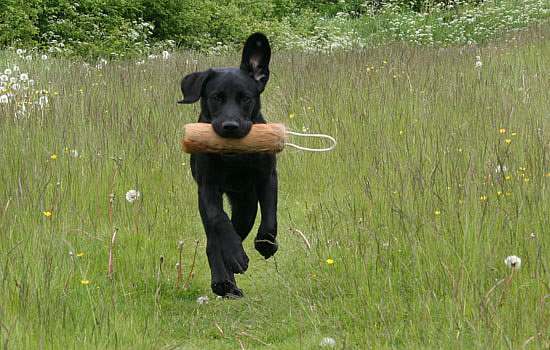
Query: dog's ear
{"points": [[193, 84], [255, 60]]}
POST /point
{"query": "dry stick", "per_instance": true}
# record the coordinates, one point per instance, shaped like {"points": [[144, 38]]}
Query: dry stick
{"points": [[111, 269], [303, 237], [180, 248], [219, 329], [111, 199], [493, 289], [7, 206], [70, 273], [192, 266], [240, 343], [505, 288]]}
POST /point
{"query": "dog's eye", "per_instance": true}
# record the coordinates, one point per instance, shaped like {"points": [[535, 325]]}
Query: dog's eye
{"points": [[245, 99], [217, 98]]}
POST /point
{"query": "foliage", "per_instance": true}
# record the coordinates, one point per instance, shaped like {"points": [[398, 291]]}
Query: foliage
{"points": [[92, 28]]}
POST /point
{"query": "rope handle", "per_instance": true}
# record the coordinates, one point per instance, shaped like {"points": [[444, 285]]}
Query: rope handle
{"points": [[322, 136]]}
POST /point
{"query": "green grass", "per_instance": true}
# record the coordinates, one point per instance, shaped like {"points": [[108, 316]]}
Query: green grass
{"points": [[408, 206]]}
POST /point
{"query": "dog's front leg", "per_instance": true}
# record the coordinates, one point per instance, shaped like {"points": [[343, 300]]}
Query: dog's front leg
{"points": [[265, 241], [224, 246]]}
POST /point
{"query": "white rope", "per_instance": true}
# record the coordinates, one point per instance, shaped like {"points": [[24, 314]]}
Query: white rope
{"points": [[312, 135]]}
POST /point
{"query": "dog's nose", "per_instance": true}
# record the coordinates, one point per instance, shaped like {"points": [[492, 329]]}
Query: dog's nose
{"points": [[230, 125]]}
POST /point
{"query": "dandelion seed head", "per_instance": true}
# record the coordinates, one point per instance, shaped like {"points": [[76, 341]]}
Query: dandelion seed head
{"points": [[202, 300], [513, 262], [479, 64], [328, 342], [132, 196]]}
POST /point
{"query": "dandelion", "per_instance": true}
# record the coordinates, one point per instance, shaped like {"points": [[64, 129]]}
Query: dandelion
{"points": [[4, 77], [202, 300], [513, 262], [53, 156], [508, 141], [80, 255], [44, 57], [328, 342], [514, 134], [7, 71], [165, 55], [330, 261], [291, 115], [479, 64], [437, 212], [19, 52], [502, 131], [401, 132], [85, 282], [132, 196], [47, 213], [3, 99], [28, 57], [73, 153], [483, 198], [508, 177]]}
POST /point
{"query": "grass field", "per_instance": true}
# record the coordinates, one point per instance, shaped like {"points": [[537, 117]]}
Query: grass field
{"points": [[441, 172]]}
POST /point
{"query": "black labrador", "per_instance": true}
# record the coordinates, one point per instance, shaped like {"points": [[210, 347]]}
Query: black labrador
{"points": [[230, 101]]}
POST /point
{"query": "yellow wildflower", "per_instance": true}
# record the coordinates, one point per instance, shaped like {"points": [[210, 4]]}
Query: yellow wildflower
{"points": [[330, 261], [47, 213]]}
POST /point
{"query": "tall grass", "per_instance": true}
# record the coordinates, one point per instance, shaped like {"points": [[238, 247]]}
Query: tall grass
{"points": [[410, 206]]}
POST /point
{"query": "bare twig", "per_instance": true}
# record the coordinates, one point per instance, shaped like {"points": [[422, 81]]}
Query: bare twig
{"points": [[111, 269], [505, 288], [192, 266], [180, 248], [70, 273], [303, 237], [219, 329], [240, 343]]}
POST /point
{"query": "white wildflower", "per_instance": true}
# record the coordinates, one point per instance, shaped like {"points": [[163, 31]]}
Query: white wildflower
{"points": [[513, 262], [24, 77], [4, 99], [44, 57], [4, 77], [13, 80], [16, 68], [73, 153], [132, 196], [479, 64], [28, 57], [328, 342], [19, 52], [7, 71], [165, 54], [202, 300], [500, 169]]}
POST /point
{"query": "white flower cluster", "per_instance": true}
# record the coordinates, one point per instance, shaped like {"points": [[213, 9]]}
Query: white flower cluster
{"points": [[132, 196]]}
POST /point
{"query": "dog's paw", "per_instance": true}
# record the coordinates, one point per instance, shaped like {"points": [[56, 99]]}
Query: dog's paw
{"points": [[234, 258], [266, 244], [226, 289]]}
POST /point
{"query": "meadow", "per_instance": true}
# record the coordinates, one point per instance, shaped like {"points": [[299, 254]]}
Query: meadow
{"points": [[441, 172]]}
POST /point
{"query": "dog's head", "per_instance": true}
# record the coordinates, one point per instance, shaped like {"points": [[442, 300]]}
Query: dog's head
{"points": [[230, 97]]}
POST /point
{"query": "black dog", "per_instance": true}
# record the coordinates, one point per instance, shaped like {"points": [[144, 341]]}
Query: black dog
{"points": [[230, 101]]}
